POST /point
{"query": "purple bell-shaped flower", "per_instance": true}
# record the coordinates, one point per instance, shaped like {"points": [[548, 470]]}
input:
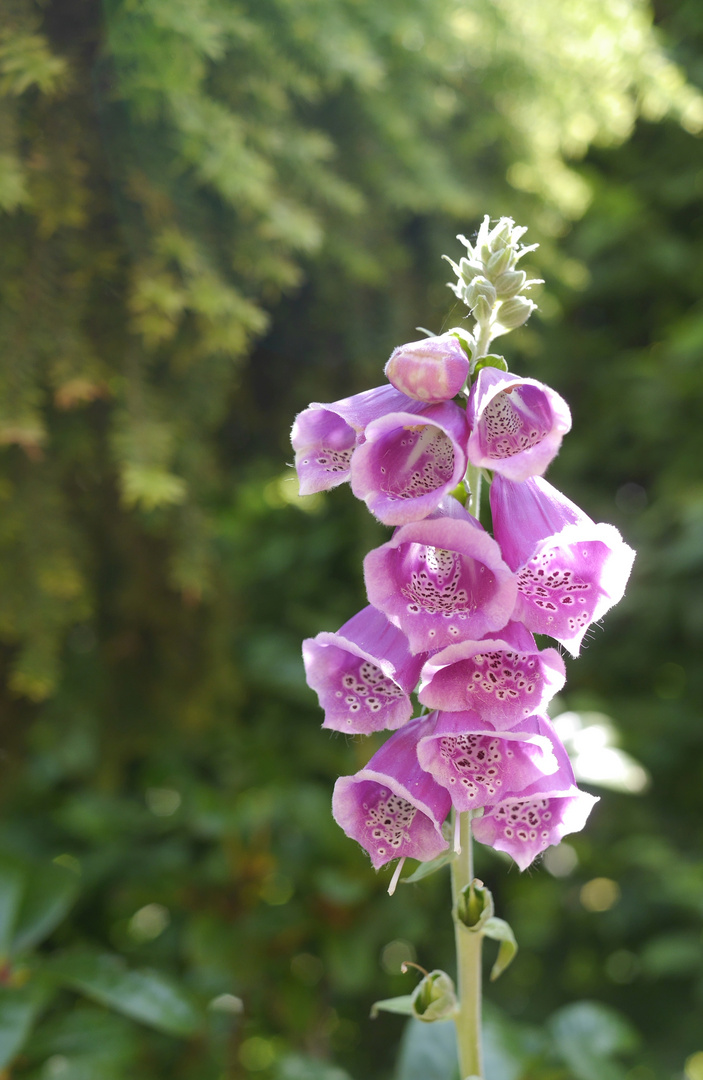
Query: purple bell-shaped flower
{"points": [[479, 766], [516, 424], [441, 580], [431, 370], [324, 436], [570, 571], [393, 808], [504, 677], [363, 675], [407, 462]]}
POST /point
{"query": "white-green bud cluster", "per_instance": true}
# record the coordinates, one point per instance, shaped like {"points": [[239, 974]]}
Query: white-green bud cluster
{"points": [[488, 281]]}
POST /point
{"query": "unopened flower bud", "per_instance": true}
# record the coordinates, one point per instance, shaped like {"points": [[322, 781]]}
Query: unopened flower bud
{"points": [[509, 283], [482, 310], [475, 905], [480, 289], [501, 234], [431, 370], [467, 270], [499, 262], [515, 312], [434, 998]]}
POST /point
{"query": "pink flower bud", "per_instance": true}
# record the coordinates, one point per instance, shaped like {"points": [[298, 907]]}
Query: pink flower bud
{"points": [[431, 370]]}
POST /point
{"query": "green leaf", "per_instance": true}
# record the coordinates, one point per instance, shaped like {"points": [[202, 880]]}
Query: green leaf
{"points": [[403, 1005], [500, 930], [587, 1035], [428, 1052], [50, 892], [467, 339], [18, 1011], [143, 995], [491, 361], [426, 868]]}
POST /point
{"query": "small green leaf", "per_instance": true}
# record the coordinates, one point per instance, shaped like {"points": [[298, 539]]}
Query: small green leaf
{"points": [[491, 361], [403, 1005], [143, 995], [426, 868], [467, 339], [18, 1011], [500, 930]]}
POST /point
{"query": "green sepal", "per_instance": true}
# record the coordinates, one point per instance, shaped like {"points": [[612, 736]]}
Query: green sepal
{"points": [[500, 930], [466, 338], [461, 493], [475, 906], [402, 1005], [491, 361], [434, 998]]}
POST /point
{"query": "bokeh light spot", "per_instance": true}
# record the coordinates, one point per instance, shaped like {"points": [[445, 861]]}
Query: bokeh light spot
{"points": [[600, 894]]}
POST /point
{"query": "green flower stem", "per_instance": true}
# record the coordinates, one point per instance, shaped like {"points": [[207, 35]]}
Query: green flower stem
{"points": [[468, 954], [473, 482], [483, 339], [468, 942]]}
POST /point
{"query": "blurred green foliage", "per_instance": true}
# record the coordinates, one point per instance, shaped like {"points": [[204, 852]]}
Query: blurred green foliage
{"points": [[214, 212]]}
